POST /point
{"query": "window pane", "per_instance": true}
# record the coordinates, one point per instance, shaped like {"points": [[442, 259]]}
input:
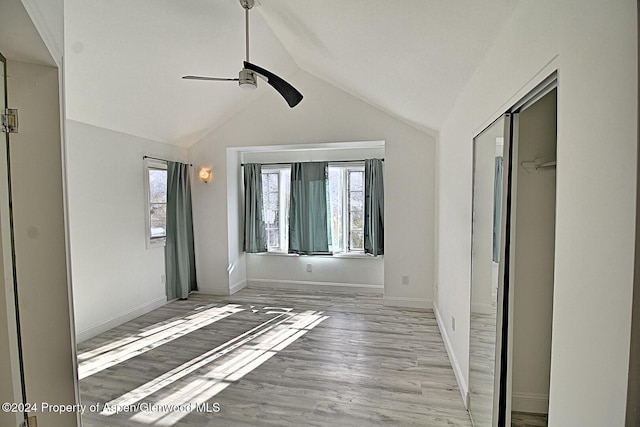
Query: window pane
{"points": [[157, 186], [336, 208], [356, 219], [356, 240], [275, 189], [273, 182], [355, 180], [271, 218], [355, 199], [274, 238], [158, 216], [285, 182], [273, 202]]}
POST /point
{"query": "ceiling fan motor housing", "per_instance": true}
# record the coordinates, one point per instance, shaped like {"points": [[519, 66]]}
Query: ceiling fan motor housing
{"points": [[247, 79]]}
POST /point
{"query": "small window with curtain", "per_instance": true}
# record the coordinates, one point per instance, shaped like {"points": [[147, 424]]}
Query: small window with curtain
{"points": [[156, 201]]}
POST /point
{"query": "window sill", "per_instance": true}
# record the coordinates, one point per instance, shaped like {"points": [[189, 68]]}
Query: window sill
{"points": [[340, 255], [358, 256]]}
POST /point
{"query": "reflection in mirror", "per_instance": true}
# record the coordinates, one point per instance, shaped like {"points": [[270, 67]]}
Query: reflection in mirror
{"points": [[485, 259]]}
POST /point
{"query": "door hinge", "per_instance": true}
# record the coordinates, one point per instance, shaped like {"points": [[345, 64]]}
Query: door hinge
{"points": [[9, 120]]}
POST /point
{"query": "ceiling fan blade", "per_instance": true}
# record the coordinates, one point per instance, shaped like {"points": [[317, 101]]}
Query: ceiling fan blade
{"points": [[288, 92], [217, 79]]}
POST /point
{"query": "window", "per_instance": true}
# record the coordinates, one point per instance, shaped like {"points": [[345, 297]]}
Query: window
{"points": [[156, 190], [275, 201], [355, 197], [346, 207]]}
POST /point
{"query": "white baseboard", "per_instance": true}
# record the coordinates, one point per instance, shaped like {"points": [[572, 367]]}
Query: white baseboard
{"points": [[120, 319], [237, 287], [462, 383], [529, 402], [326, 286], [420, 303]]}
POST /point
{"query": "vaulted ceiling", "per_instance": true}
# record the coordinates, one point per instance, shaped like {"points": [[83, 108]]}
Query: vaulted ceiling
{"points": [[124, 59]]}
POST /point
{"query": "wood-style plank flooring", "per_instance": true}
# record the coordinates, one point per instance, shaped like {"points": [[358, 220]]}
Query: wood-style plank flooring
{"points": [[272, 358], [523, 419], [482, 356]]}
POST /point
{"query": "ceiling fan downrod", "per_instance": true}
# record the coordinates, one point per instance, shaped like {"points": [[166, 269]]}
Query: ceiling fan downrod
{"points": [[246, 78], [247, 5]]}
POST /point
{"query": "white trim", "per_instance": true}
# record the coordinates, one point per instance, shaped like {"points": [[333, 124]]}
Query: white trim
{"points": [[65, 198], [320, 146], [457, 370], [530, 402], [549, 68], [314, 286], [420, 303], [120, 319], [237, 287]]}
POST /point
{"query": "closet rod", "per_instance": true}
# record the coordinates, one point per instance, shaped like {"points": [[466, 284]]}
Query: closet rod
{"points": [[163, 160], [288, 163]]}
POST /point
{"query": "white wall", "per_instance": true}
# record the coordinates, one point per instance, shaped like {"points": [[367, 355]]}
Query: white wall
{"points": [[593, 45], [40, 240], [532, 284], [238, 269], [326, 114], [115, 277]]}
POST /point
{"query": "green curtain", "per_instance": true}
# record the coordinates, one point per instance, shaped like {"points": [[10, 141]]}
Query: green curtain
{"points": [[497, 208], [373, 207], [255, 240], [308, 221], [180, 263]]}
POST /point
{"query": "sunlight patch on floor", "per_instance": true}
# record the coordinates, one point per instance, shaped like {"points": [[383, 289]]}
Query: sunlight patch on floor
{"points": [[127, 348], [218, 368]]}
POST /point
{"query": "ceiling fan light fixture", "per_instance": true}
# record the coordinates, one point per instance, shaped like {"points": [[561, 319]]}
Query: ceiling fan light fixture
{"points": [[247, 79]]}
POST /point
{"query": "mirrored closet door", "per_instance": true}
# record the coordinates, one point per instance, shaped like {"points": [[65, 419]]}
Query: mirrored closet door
{"points": [[488, 183], [512, 263]]}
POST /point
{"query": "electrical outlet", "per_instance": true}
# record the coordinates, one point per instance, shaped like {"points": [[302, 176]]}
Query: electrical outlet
{"points": [[405, 280], [163, 279], [453, 323], [309, 268]]}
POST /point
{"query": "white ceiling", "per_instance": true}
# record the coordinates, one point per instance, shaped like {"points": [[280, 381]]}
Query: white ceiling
{"points": [[124, 59], [19, 39]]}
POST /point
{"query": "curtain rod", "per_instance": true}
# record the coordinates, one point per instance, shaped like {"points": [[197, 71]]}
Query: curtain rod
{"points": [[163, 160], [330, 161]]}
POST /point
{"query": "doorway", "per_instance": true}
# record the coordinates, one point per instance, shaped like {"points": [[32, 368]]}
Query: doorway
{"points": [[532, 268], [12, 385]]}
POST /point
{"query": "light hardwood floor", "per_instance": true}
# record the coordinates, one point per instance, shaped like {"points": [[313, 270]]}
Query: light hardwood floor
{"points": [[523, 419], [482, 356], [273, 358]]}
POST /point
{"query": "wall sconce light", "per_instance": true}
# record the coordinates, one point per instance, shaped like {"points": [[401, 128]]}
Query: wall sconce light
{"points": [[205, 174]]}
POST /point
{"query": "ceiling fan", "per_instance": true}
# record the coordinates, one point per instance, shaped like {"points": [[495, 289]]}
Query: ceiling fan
{"points": [[247, 77]]}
